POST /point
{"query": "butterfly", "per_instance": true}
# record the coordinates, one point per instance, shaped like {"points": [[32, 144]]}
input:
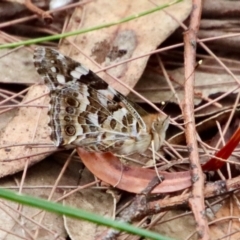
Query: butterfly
{"points": [[85, 111]]}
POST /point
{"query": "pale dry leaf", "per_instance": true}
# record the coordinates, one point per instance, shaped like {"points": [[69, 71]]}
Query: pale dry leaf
{"points": [[27, 128], [124, 41], [17, 67], [6, 117], [183, 226], [177, 227], [91, 200], [6, 219], [221, 116], [154, 87], [38, 183], [222, 227]]}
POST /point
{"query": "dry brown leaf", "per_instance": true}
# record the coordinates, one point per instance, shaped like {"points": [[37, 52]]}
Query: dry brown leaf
{"points": [[221, 227], [36, 184], [155, 88], [124, 41], [97, 202], [205, 125], [27, 128], [175, 226], [17, 67], [128, 178], [6, 117]]}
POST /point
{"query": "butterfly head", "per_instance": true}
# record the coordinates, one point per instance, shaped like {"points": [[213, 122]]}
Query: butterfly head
{"points": [[158, 130]]}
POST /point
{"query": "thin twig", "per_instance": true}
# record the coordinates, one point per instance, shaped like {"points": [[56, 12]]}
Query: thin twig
{"points": [[196, 200], [45, 15]]}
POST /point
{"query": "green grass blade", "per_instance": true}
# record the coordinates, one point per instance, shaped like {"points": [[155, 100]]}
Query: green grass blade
{"points": [[78, 214]]}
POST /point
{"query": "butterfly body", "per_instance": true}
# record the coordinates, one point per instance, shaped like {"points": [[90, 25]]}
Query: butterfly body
{"points": [[85, 111]]}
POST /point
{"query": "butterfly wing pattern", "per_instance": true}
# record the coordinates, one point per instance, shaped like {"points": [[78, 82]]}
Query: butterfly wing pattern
{"points": [[85, 111]]}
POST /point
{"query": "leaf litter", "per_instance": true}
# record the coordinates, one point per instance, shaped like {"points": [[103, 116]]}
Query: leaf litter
{"points": [[106, 49]]}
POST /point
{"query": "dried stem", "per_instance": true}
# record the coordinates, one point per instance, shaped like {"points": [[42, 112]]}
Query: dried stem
{"points": [[45, 15], [196, 200]]}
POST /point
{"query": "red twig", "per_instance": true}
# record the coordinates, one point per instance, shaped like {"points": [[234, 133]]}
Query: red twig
{"points": [[196, 201]]}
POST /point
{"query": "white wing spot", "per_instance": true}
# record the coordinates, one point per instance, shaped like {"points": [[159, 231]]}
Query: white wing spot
{"points": [[61, 79], [109, 95], [93, 118], [76, 74], [82, 70], [60, 57], [53, 69]]}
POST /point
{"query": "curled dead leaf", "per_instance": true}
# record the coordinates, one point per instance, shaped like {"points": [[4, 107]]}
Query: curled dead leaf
{"points": [[109, 169]]}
